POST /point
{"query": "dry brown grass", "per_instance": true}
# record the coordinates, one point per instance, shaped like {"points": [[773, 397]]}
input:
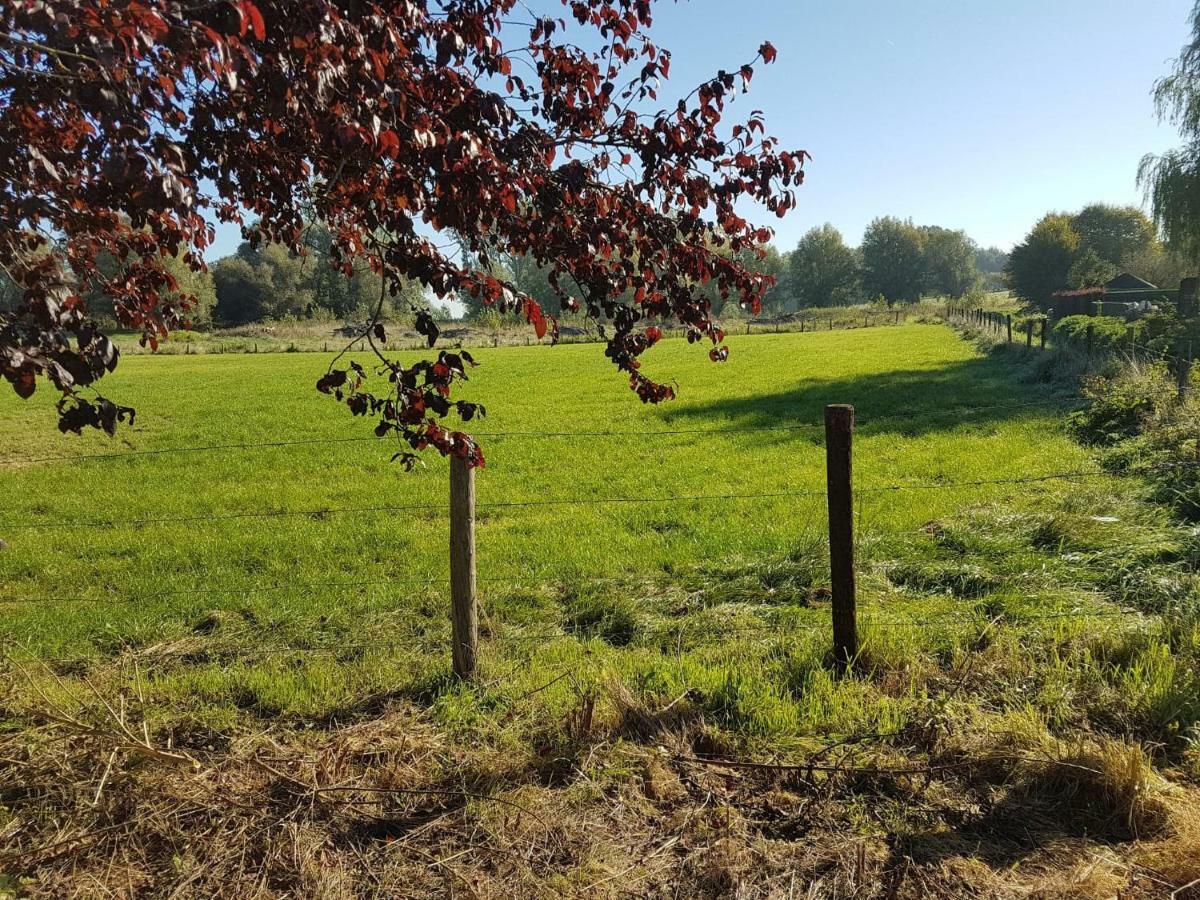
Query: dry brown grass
{"points": [[391, 807]]}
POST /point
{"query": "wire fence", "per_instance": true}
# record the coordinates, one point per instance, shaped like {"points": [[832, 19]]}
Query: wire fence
{"points": [[639, 434], [320, 512], [692, 635], [425, 580]]}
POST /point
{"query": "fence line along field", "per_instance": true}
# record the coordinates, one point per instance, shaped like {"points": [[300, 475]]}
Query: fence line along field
{"points": [[247, 575], [295, 530]]}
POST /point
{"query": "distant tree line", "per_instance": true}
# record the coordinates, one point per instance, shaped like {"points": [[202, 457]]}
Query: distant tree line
{"points": [[1087, 249], [897, 262]]}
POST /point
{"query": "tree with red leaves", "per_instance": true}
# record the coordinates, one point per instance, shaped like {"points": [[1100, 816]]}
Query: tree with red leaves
{"points": [[128, 126]]}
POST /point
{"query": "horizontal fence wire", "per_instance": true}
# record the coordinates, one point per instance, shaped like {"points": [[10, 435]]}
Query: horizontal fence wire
{"points": [[547, 582], [310, 587], [719, 632], [563, 435], [322, 512]]}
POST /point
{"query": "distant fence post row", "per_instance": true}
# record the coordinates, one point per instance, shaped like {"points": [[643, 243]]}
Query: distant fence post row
{"points": [[999, 323], [839, 453], [1180, 365], [811, 321]]}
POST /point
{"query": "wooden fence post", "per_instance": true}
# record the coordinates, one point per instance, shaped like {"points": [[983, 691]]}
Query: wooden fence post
{"points": [[1185, 373], [464, 615], [1029, 334], [1008, 324], [1043, 336], [839, 438], [1186, 302]]}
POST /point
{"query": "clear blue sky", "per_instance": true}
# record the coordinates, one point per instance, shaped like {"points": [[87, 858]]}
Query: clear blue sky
{"points": [[972, 114]]}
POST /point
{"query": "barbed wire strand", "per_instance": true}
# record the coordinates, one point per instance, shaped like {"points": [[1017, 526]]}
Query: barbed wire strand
{"points": [[518, 504], [607, 433], [717, 630]]}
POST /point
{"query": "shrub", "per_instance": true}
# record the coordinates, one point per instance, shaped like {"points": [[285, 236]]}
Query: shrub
{"points": [[1122, 406], [1108, 332]]}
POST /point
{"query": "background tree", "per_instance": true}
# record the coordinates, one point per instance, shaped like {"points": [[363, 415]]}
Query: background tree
{"points": [[532, 279], [1113, 233], [1158, 265], [991, 263], [763, 261], [334, 291], [822, 270], [1041, 264], [244, 289], [893, 263], [773, 265], [199, 286], [1090, 269], [121, 127], [990, 259], [949, 261], [1172, 181], [270, 282]]}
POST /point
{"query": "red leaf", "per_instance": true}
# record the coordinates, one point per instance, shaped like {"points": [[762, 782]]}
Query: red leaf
{"points": [[535, 317], [767, 52], [256, 20]]}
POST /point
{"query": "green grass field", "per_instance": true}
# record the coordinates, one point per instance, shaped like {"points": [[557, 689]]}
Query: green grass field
{"points": [[150, 582], [236, 591]]}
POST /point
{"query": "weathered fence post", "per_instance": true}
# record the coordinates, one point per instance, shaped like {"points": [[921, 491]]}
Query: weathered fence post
{"points": [[1008, 324], [839, 438], [1029, 334], [1186, 302], [1184, 373], [464, 614], [1043, 336]]}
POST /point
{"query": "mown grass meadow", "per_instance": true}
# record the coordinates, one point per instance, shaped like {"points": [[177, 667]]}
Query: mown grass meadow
{"points": [[273, 590]]}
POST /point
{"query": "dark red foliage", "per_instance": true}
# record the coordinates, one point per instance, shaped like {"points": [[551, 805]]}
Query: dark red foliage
{"points": [[389, 121]]}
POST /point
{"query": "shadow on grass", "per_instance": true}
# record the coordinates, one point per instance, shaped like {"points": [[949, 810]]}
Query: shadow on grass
{"points": [[980, 391]]}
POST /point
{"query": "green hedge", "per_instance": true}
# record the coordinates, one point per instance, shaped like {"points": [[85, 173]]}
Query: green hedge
{"points": [[1108, 332]]}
